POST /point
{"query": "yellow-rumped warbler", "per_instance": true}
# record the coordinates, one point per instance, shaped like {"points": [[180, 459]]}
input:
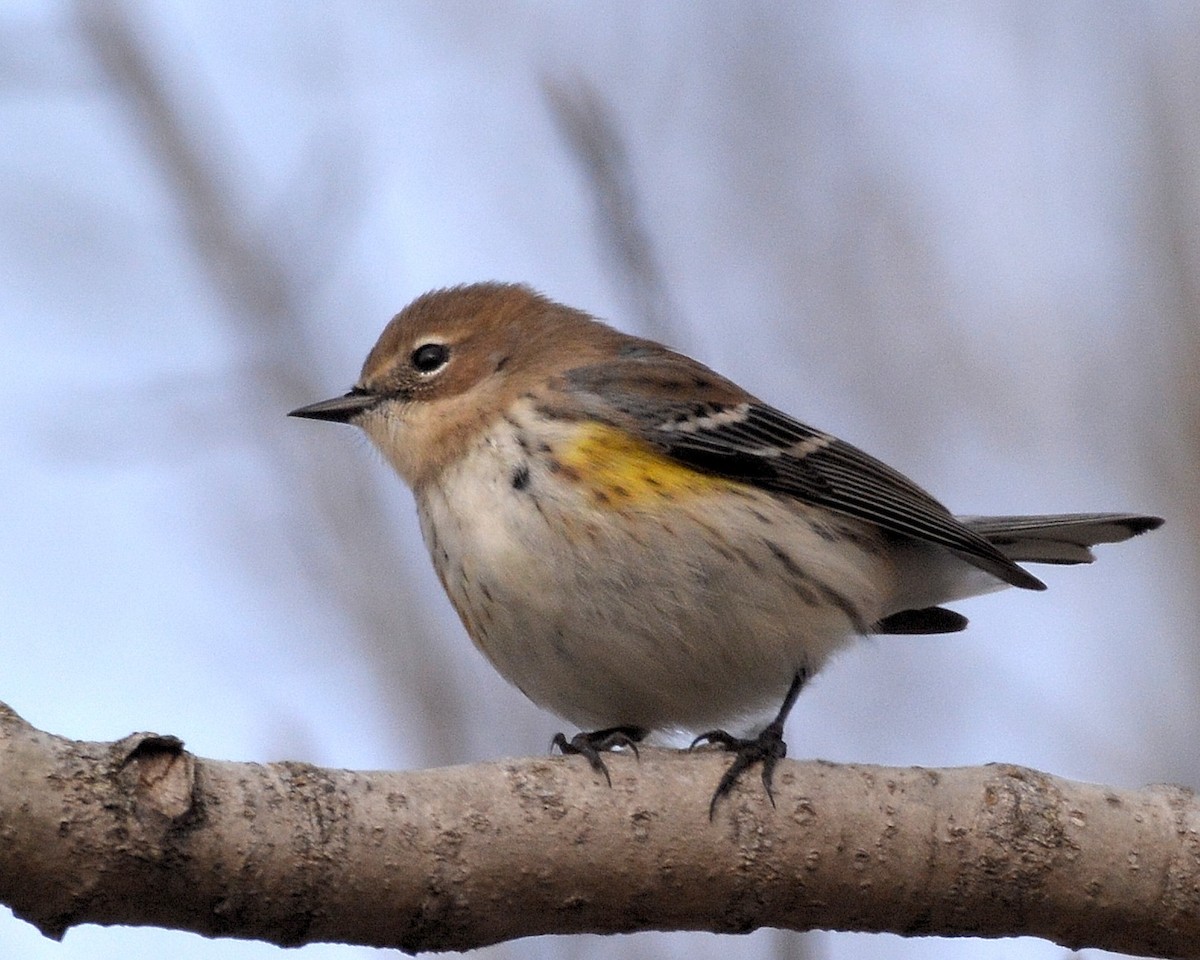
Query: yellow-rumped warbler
{"points": [[639, 544]]}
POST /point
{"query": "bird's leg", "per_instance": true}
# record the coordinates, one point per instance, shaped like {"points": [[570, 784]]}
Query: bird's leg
{"points": [[768, 748], [590, 745]]}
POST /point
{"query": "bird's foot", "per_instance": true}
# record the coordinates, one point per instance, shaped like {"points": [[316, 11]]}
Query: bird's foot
{"points": [[591, 745], [768, 748]]}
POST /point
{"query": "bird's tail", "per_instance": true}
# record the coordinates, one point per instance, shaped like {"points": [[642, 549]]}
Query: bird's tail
{"points": [[1061, 538]]}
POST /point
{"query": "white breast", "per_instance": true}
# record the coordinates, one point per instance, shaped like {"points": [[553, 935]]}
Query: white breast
{"points": [[685, 615]]}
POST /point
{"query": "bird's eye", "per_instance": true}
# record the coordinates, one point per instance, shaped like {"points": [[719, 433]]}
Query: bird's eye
{"points": [[430, 357]]}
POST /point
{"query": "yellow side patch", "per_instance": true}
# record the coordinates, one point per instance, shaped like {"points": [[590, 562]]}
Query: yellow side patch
{"points": [[622, 470]]}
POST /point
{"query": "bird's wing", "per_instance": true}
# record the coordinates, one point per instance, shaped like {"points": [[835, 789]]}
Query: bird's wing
{"points": [[721, 429]]}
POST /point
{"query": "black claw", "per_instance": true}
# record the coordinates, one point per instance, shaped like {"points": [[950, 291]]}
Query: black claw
{"points": [[720, 737], [768, 748], [590, 745]]}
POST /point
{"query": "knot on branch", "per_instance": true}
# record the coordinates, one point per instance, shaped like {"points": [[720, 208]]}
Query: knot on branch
{"points": [[158, 776]]}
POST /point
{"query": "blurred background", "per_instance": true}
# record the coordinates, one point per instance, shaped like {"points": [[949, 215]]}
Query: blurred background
{"points": [[964, 237]]}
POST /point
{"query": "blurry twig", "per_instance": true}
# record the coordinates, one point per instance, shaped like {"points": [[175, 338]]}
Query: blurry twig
{"points": [[1171, 210], [591, 135], [264, 277]]}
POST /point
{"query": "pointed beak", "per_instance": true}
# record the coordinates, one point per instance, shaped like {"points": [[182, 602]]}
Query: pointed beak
{"points": [[339, 409]]}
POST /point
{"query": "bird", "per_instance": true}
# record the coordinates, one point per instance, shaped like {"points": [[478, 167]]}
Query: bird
{"points": [[641, 545]]}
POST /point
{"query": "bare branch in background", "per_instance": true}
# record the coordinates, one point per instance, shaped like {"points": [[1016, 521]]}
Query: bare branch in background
{"points": [[591, 135], [1170, 198], [264, 281], [1173, 206]]}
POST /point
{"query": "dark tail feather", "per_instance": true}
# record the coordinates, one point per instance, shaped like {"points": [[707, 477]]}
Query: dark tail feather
{"points": [[926, 620], [1062, 538]]}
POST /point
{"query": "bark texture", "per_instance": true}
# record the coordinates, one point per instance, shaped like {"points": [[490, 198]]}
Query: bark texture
{"points": [[141, 832]]}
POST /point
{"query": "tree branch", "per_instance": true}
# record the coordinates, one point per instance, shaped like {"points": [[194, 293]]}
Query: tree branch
{"points": [[141, 832]]}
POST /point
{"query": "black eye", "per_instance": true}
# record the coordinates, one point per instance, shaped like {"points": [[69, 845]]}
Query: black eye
{"points": [[430, 357]]}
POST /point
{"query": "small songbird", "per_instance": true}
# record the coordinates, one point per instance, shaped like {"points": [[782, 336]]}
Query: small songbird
{"points": [[639, 544]]}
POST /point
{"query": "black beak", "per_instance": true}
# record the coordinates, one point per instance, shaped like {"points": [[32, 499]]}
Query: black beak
{"points": [[339, 409]]}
